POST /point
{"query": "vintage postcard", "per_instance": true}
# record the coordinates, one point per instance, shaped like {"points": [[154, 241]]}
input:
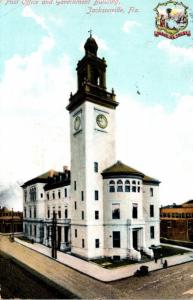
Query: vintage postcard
{"points": [[96, 130]]}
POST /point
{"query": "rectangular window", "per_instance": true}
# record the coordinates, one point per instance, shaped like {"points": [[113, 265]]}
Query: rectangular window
{"points": [[59, 214], [82, 195], [96, 167], [41, 195], [59, 194], [75, 233], [151, 211], [34, 212], [152, 232], [96, 214], [53, 195], [65, 192], [75, 205], [135, 211], [151, 192], [83, 243], [115, 211], [30, 212], [116, 239], [47, 196], [82, 215], [75, 185], [48, 213], [96, 195], [24, 212], [97, 243], [66, 213]]}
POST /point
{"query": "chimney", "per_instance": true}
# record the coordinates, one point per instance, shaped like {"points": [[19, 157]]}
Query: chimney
{"points": [[51, 173], [65, 168]]}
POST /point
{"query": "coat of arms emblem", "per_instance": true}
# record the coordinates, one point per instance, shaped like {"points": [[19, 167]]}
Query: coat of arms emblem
{"points": [[171, 20]]}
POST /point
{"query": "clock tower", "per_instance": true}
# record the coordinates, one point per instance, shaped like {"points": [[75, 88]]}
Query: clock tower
{"points": [[92, 138]]}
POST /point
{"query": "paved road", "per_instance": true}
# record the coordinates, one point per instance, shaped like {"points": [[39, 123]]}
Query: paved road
{"points": [[78, 284], [18, 283], [174, 282]]}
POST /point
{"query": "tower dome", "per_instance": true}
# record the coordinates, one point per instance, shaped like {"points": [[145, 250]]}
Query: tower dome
{"points": [[91, 46]]}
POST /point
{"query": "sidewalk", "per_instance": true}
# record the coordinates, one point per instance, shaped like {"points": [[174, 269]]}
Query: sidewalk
{"points": [[95, 271]]}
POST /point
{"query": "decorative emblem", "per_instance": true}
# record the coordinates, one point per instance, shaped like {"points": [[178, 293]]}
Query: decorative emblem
{"points": [[171, 20], [77, 123], [101, 121]]}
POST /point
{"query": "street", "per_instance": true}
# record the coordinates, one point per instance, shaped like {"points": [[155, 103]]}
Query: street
{"points": [[174, 282]]}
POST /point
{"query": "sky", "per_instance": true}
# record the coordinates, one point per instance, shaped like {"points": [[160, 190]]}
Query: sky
{"points": [[41, 43]]}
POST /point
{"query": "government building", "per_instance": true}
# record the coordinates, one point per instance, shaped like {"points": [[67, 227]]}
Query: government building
{"points": [[103, 207]]}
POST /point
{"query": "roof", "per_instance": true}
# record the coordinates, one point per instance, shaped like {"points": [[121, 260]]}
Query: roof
{"points": [[60, 180], [188, 203], [151, 180], [43, 178], [121, 169], [52, 179], [91, 45]]}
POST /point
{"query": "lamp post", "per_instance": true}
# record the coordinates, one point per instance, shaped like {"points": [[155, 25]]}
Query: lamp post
{"points": [[12, 223]]}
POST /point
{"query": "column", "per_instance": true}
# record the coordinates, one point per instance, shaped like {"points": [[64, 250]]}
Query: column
{"points": [[62, 247], [130, 238]]}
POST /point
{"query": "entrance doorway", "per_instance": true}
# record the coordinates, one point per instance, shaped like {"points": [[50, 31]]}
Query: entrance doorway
{"points": [[66, 234], [135, 239]]}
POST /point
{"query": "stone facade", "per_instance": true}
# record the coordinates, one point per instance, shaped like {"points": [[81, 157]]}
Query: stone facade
{"points": [[42, 196], [113, 210]]}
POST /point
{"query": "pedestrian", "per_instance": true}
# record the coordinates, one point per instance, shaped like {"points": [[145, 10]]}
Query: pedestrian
{"points": [[165, 264], [155, 258]]}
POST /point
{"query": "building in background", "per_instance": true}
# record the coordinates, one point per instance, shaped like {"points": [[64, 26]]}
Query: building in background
{"points": [[113, 209], [10, 221], [177, 221]]}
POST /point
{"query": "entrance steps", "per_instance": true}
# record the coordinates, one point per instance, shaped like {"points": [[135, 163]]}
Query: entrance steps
{"points": [[134, 254]]}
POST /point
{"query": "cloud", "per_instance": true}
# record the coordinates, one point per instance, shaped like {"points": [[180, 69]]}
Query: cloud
{"points": [[29, 13], [129, 25], [176, 54], [34, 126], [56, 21], [159, 143], [100, 42]]}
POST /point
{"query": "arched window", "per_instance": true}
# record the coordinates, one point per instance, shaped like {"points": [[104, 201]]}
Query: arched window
{"points": [[127, 186], [112, 186], [134, 186], [138, 188], [119, 186]]}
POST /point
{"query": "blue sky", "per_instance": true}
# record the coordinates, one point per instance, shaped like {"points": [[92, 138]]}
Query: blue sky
{"points": [[152, 77]]}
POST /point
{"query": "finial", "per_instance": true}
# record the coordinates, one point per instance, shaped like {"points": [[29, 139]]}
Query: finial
{"points": [[90, 31]]}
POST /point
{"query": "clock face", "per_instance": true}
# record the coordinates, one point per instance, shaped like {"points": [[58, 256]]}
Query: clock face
{"points": [[77, 123], [101, 121]]}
